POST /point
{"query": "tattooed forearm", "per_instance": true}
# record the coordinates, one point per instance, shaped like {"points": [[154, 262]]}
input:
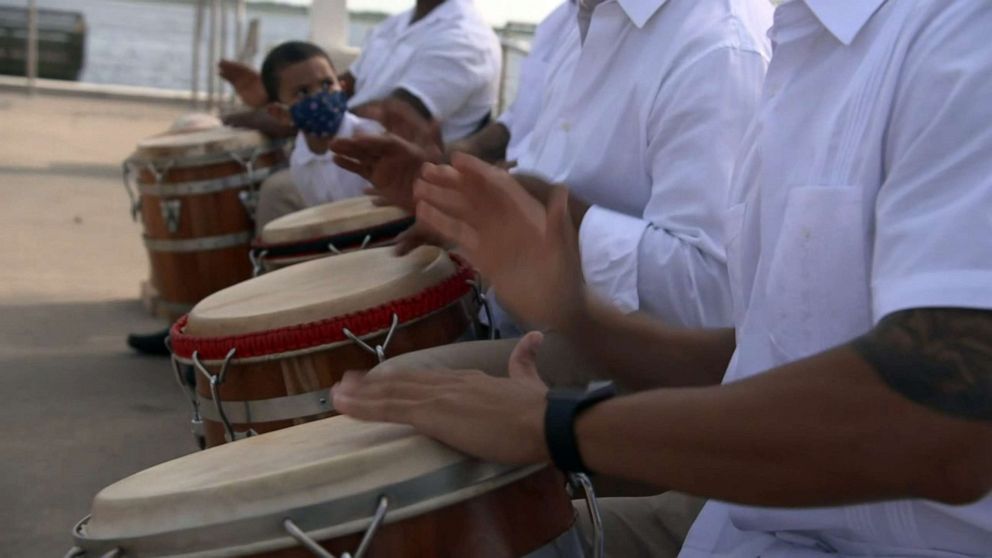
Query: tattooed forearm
{"points": [[938, 357]]}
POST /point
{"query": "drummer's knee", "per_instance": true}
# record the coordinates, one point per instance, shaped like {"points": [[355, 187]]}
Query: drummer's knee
{"points": [[277, 196]]}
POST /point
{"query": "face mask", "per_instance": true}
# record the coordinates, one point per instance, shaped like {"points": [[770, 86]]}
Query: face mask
{"points": [[320, 114]]}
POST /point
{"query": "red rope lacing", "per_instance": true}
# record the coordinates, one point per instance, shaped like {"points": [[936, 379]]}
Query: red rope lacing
{"points": [[323, 332]]}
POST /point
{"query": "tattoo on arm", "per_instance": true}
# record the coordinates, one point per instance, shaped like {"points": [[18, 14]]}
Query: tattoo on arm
{"points": [[938, 357]]}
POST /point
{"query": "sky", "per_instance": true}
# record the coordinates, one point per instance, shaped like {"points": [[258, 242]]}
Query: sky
{"points": [[496, 12]]}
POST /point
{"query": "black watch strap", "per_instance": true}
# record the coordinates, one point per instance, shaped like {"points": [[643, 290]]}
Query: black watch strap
{"points": [[564, 406]]}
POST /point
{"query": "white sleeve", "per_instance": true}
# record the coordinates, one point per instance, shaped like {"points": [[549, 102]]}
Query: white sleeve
{"points": [[670, 261], [933, 214], [445, 74]]}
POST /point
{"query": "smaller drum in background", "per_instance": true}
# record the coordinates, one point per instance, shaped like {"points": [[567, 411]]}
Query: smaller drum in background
{"points": [[338, 486], [196, 195], [326, 230], [268, 350]]}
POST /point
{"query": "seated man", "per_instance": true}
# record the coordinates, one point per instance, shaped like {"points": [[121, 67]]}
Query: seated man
{"points": [[645, 143], [849, 412], [440, 59]]}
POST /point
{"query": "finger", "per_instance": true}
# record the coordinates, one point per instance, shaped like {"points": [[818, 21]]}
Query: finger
{"points": [[444, 176], [361, 169], [450, 229], [362, 146], [476, 168], [453, 202], [413, 238], [523, 359], [559, 220]]}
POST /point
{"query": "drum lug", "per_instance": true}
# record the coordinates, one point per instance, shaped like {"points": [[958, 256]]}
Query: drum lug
{"points": [[249, 197], [256, 258], [482, 300], [301, 537], [215, 381], [171, 214], [580, 480], [133, 196], [249, 200], [379, 350]]}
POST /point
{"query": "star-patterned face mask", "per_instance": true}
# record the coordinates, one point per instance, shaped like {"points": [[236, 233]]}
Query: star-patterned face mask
{"points": [[320, 114]]}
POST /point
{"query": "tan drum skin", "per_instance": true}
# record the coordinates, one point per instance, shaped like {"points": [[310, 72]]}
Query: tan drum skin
{"points": [[287, 331], [325, 230], [329, 477], [192, 190]]}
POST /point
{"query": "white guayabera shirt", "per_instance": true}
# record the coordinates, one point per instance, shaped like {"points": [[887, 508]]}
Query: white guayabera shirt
{"points": [[450, 60], [643, 119], [864, 187], [317, 177], [520, 116]]}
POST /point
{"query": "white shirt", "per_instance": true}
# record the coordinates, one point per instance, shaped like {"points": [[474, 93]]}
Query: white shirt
{"points": [[520, 116], [864, 187], [317, 177], [449, 59], [643, 119]]}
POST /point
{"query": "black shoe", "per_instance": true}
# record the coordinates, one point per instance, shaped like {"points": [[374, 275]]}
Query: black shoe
{"points": [[150, 343]]}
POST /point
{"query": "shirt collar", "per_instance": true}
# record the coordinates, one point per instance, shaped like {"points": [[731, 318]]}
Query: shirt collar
{"points": [[639, 11], [844, 18]]}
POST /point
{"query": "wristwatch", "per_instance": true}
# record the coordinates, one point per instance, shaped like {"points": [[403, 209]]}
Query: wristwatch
{"points": [[564, 407]]}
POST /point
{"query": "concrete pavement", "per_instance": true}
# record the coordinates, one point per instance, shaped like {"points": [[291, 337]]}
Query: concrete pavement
{"points": [[79, 410]]}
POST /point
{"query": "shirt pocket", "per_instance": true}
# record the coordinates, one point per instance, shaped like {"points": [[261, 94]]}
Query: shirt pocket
{"points": [[733, 224], [817, 283]]}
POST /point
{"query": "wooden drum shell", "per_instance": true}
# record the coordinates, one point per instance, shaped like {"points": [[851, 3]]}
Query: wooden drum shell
{"points": [[504, 523], [184, 274], [321, 369]]}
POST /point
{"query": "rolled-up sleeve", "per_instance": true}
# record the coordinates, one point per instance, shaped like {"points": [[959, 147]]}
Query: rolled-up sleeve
{"points": [[669, 262], [443, 74]]}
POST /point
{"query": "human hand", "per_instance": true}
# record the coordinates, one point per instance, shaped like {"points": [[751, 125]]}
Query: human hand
{"points": [[416, 236], [527, 251], [399, 118], [247, 82], [496, 419], [389, 162]]}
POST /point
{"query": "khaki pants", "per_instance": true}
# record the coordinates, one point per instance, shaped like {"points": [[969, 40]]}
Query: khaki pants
{"points": [[277, 196], [650, 524]]}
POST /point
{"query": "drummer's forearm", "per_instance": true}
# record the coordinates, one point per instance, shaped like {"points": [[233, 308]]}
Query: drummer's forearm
{"points": [[488, 144], [640, 352], [823, 431], [261, 121]]}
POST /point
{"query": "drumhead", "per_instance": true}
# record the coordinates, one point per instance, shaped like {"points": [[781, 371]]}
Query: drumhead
{"points": [[212, 141], [319, 290], [327, 474], [345, 216]]}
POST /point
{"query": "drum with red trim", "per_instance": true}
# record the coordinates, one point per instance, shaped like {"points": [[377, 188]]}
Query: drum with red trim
{"points": [[334, 487], [326, 230], [267, 351], [196, 197]]}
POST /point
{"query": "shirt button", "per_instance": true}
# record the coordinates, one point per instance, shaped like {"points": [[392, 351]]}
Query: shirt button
{"points": [[566, 126]]}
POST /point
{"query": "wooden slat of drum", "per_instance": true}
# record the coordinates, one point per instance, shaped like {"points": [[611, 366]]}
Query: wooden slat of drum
{"points": [[202, 215], [302, 374], [508, 522], [188, 277]]}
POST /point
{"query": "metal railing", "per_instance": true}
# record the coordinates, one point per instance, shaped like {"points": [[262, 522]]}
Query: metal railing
{"points": [[31, 71], [215, 16], [509, 47]]}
